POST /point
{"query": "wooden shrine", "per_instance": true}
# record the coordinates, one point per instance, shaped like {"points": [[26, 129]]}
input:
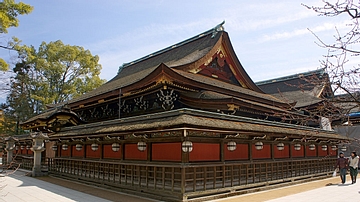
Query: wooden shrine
{"points": [[181, 123]]}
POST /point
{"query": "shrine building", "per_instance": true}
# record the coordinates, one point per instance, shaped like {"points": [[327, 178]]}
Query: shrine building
{"points": [[180, 124]]}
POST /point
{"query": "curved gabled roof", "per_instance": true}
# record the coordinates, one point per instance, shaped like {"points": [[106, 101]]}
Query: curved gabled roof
{"points": [[179, 54], [182, 53], [190, 52]]}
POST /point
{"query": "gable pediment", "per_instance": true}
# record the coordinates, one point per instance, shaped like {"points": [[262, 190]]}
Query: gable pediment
{"points": [[221, 63]]}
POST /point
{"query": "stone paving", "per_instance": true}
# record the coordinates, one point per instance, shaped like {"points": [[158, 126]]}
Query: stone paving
{"points": [[19, 187], [329, 190]]}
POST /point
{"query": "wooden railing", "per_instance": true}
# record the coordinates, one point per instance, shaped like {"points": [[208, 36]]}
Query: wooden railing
{"points": [[25, 162], [183, 181]]}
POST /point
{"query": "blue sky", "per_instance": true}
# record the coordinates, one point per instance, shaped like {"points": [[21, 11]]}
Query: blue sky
{"points": [[270, 37]]}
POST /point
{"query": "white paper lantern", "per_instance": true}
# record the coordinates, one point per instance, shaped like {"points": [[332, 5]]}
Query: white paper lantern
{"points": [[65, 147], [231, 146], [187, 146], [94, 147], [259, 145], [115, 147], [141, 146], [78, 147], [312, 147], [280, 146]]}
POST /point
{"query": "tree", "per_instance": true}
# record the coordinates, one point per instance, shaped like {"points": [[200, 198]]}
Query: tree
{"points": [[51, 74], [60, 72], [344, 77], [9, 12]]}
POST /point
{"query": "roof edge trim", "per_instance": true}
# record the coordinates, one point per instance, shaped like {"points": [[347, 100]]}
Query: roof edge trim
{"points": [[213, 31]]}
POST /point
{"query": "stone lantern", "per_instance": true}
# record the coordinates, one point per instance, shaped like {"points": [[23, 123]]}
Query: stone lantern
{"points": [[38, 147], [10, 146]]}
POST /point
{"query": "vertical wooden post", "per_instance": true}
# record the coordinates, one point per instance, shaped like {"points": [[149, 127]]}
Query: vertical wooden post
{"points": [[184, 157], [250, 151], [149, 151], [272, 150], [291, 150], [222, 159], [84, 151], [122, 149], [305, 150], [101, 151], [71, 150], [182, 181]]}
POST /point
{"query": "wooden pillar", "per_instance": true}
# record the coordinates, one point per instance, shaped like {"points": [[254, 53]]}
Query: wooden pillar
{"points": [[84, 146], [222, 158], [317, 150], [149, 151], [122, 149], [272, 150], [56, 153], [101, 151], [71, 148], [291, 150], [305, 150], [250, 151]]}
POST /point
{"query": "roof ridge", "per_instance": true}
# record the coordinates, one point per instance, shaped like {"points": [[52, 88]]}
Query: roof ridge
{"points": [[292, 76], [213, 31]]}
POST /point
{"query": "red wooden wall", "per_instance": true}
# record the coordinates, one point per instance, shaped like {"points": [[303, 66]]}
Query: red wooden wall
{"points": [[285, 153], [64, 153], [205, 152], [109, 153], [322, 152], [240, 153], [297, 153], [310, 152], [93, 154], [166, 151], [201, 152], [76, 153], [132, 153], [263, 153], [332, 152]]}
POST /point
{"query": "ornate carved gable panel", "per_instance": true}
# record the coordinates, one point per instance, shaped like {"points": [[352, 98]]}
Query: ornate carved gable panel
{"points": [[221, 66]]}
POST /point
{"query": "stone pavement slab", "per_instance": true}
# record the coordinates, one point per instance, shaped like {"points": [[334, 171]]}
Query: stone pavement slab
{"points": [[332, 193], [19, 187], [329, 190]]}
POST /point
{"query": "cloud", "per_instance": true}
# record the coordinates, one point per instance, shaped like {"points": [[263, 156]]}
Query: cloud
{"points": [[263, 15], [134, 44], [299, 32], [242, 24]]}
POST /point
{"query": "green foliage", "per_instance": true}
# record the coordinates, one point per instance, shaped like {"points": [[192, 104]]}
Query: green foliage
{"points": [[3, 65], [63, 71], [9, 11], [10, 124], [51, 74]]}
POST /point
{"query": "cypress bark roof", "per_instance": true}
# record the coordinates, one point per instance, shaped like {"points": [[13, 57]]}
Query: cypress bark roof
{"points": [[197, 119], [305, 89]]}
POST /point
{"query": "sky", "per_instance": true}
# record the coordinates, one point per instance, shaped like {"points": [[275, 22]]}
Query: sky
{"points": [[270, 37]]}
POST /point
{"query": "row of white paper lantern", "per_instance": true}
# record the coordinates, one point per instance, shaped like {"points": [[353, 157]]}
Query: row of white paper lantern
{"points": [[187, 146], [297, 147], [22, 147]]}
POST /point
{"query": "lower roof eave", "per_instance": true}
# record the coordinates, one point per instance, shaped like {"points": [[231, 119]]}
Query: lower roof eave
{"points": [[197, 119]]}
